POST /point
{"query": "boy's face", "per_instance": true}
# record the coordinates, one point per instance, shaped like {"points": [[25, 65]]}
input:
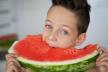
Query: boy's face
{"points": [[60, 28]]}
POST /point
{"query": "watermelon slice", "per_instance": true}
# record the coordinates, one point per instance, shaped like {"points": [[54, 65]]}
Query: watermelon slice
{"points": [[36, 55]]}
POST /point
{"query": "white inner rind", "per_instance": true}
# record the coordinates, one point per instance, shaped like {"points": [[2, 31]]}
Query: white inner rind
{"points": [[11, 48], [93, 54]]}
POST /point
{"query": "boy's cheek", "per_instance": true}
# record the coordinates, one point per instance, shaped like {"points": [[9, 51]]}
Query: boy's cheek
{"points": [[64, 44], [45, 36]]}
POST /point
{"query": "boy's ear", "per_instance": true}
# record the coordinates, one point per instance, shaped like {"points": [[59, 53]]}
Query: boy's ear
{"points": [[81, 39]]}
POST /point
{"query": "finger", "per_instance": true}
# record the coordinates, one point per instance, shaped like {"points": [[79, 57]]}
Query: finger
{"points": [[13, 63], [101, 69], [102, 50], [12, 60], [23, 69], [103, 63], [102, 56], [99, 49], [13, 68], [11, 55]]}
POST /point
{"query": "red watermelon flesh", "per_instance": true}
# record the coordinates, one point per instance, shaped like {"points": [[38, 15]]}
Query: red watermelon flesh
{"points": [[58, 54], [33, 48]]}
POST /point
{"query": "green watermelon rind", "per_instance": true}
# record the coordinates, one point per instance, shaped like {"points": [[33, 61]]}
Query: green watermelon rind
{"points": [[76, 65], [10, 50]]}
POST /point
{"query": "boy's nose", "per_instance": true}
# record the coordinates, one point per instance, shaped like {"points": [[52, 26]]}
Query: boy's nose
{"points": [[52, 36]]}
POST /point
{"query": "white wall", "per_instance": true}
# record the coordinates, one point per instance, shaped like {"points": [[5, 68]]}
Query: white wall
{"points": [[7, 17], [97, 32], [31, 15]]}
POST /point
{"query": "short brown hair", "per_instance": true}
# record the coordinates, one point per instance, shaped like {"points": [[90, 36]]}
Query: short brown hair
{"points": [[81, 8]]}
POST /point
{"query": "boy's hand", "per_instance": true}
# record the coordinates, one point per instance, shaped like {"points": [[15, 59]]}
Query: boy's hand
{"points": [[102, 60], [13, 65]]}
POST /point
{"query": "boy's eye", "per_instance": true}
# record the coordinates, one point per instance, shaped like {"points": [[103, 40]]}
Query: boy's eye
{"points": [[48, 26], [64, 32]]}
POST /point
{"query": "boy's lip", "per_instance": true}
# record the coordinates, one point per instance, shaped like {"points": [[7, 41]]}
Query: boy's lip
{"points": [[51, 44]]}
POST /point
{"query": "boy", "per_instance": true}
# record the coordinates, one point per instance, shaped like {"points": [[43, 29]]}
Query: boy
{"points": [[66, 25]]}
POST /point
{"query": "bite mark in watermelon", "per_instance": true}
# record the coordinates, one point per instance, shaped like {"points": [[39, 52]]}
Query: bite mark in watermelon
{"points": [[38, 56]]}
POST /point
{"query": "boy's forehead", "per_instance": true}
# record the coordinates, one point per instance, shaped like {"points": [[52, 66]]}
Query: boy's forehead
{"points": [[60, 10], [61, 15]]}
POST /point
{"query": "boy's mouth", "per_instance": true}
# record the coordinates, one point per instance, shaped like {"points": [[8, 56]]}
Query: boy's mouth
{"points": [[52, 44]]}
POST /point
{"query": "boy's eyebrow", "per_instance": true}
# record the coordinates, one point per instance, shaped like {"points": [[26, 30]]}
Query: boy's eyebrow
{"points": [[49, 21], [64, 25], [67, 26]]}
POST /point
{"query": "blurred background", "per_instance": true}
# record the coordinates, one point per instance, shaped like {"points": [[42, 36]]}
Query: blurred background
{"points": [[19, 18]]}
